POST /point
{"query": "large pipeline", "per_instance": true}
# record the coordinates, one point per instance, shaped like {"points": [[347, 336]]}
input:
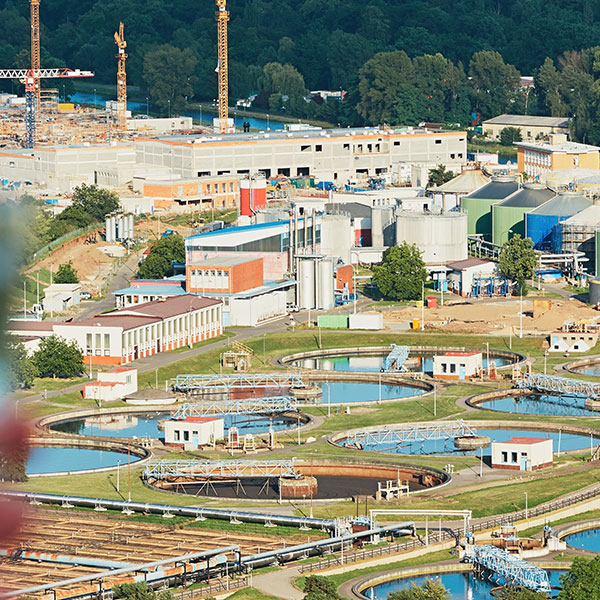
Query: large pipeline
{"points": [[65, 559], [181, 511]]}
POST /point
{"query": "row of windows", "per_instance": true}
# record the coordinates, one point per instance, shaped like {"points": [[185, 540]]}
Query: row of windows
{"points": [[514, 457], [538, 158], [452, 367]]}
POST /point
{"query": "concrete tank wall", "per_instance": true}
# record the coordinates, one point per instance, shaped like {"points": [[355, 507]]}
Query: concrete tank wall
{"points": [[325, 288], [441, 237], [306, 282]]}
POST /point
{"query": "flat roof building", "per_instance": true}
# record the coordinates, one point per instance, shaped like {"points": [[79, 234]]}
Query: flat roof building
{"points": [[522, 454], [531, 127]]}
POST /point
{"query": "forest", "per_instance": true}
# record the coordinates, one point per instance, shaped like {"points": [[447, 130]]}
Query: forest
{"points": [[399, 60]]}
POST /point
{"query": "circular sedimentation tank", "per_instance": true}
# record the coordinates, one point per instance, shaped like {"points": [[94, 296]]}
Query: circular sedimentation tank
{"points": [[593, 404], [327, 481], [307, 393], [471, 442]]}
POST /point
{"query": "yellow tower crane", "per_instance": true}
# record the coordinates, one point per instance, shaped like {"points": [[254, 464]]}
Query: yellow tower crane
{"points": [[121, 79], [34, 7], [222, 66]]}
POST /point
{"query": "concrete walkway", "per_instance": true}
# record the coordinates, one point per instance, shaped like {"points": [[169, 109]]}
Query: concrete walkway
{"points": [[279, 583]]}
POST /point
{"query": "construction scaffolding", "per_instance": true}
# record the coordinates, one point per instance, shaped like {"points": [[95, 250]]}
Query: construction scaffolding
{"points": [[570, 388], [395, 360], [221, 469], [249, 406], [511, 568], [203, 383], [417, 432]]}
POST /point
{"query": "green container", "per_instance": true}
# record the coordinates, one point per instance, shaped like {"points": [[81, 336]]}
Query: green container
{"points": [[597, 239], [333, 321], [479, 216], [505, 218]]}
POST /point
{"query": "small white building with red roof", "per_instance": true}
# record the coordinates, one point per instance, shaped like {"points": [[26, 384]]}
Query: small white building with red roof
{"points": [[522, 454], [112, 385], [457, 366], [192, 432]]}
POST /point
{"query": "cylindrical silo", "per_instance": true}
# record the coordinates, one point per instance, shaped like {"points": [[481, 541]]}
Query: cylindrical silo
{"points": [[594, 296], [113, 228], [306, 280], [326, 298], [130, 228], [107, 230]]}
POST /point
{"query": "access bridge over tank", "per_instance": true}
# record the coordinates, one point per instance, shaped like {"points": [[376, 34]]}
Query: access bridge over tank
{"points": [[395, 360], [247, 406], [197, 384], [414, 432], [562, 386], [489, 561]]}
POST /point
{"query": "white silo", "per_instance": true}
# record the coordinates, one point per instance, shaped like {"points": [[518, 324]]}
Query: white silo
{"points": [[130, 235], [107, 229], [113, 229], [326, 286], [306, 281]]}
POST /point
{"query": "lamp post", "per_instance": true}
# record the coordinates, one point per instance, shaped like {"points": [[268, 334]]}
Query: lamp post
{"points": [[147, 106], [169, 101], [526, 506], [422, 306], [268, 123], [94, 99]]}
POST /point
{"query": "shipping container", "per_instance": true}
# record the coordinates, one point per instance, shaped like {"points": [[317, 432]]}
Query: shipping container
{"points": [[366, 321], [333, 321]]}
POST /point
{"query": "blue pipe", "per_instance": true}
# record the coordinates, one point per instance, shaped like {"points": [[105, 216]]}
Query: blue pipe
{"points": [[67, 560]]}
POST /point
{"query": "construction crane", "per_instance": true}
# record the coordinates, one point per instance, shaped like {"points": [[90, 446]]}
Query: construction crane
{"points": [[222, 65], [121, 80], [29, 78], [34, 8]]}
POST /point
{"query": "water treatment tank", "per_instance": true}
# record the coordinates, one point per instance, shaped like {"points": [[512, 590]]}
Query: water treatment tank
{"points": [[107, 229], [326, 286], [594, 295], [306, 282], [441, 237]]}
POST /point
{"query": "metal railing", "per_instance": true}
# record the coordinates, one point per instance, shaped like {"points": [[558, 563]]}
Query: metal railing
{"points": [[216, 587]]}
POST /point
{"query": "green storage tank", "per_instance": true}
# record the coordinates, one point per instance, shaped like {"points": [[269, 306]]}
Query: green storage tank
{"points": [[478, 204], [509, 215], [333, 321]]}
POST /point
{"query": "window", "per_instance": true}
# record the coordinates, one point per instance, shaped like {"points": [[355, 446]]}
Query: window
{"points": [[444, 368], [176, 435], [98, 341], [346, 146], [452, 155], [452, 368], [319, 148], [88, 343], [513, 457], [304, 148], [505, 457], [186, 436], [106, 341], [231, 186], [208, 188], [438, 141], [396, 143]]}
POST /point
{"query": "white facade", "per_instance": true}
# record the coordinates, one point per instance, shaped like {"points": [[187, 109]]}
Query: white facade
{"points": [[366, 321], [194, 432], [457, 365], [250, 311], [112, 385], [61, 296], [522, 454], [331, 155], [460, 278], [160, 126]]}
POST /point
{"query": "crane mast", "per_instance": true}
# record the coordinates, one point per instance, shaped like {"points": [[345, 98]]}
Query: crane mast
{"points": [[223, 67], [121, 79], [34, 8]]}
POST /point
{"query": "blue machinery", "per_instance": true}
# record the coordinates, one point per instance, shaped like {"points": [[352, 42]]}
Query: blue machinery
{"points": [[572, 388], [508, 567], [204, 383], [394, 436], [248, 406], [489, 285], [221, 469], [394, 361]]}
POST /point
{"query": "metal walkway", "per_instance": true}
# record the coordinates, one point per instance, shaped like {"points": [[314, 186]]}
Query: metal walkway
{"points": [[221, 469], [510, 568], [199, 383], [573, 388], [249, 406], [394, 361], [411, 433]]}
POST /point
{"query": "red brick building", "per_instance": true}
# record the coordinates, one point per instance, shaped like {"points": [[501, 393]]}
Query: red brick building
{"points": [[227, 274]]}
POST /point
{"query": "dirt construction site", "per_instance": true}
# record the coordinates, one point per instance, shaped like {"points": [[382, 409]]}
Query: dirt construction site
{"points": [[495, 317]]}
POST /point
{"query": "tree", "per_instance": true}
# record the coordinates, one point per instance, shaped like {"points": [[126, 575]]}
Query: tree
{"points": [[582, 582], [167, 74], [401, 274], [320, 588], [21, 370], [56, 357], [285, 80], [95, 201], [430, 590], [139, 591], [517, 261], [548, 87], [410, 106], [439, 175], [66, 274], [159, 262], [518, 593], [510, 135]]}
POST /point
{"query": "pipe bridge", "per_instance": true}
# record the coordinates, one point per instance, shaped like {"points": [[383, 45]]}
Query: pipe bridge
{"points": [[508, 567], [573, 388], [201, 383], [394, 361], [418, 432], [248, 406], [221, 469]]}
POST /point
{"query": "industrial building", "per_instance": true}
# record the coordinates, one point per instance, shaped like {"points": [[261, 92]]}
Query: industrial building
{"points": [[478, 205], [542, 224], [127, 334], [465, 276], [578, 233], [536, 159], [448, 195], [531, 127], [112, 385], [193, 432], [333, 155], [508, 215], [59, 297], [522, 454], [458, 366]]}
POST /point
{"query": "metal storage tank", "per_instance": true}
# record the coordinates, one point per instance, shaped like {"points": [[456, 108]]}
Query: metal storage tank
{"points": [[509, 215], [542, 223], [594, 295], [326, 284], [107, 229], [478, 205], [441, 237], [130, 228], [113, 228], [381, 217], [306, 282], [336, 237]]}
